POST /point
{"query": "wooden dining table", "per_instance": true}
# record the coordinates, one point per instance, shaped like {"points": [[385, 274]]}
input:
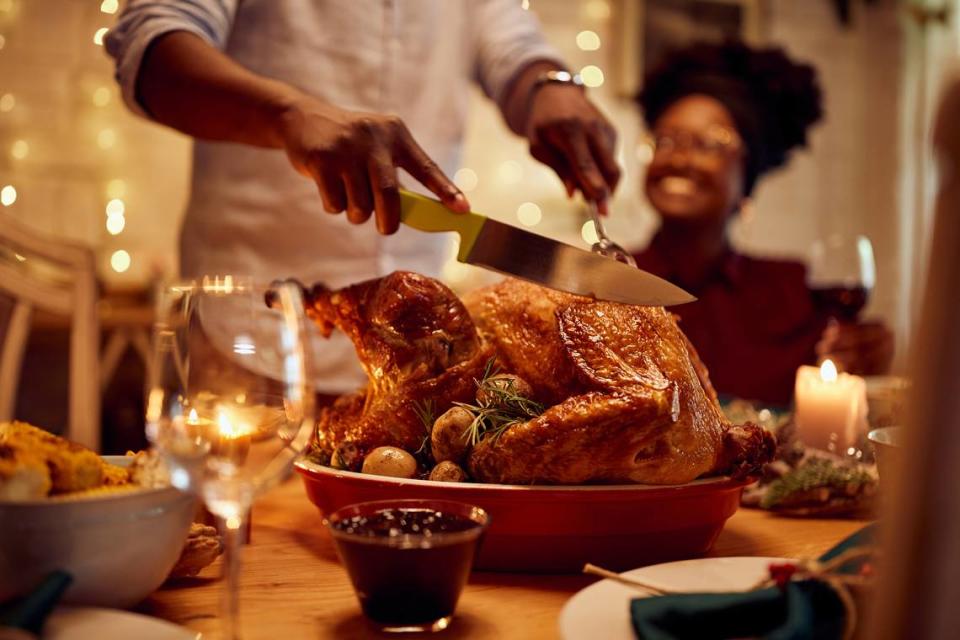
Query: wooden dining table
{"points": [[294, 587]]}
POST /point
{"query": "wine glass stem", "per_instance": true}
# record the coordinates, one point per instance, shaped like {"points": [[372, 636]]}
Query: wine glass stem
{"points": [[232, 528]]}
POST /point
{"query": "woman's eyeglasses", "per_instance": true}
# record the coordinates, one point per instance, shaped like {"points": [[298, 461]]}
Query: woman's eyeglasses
{"points": [[715, 142]]}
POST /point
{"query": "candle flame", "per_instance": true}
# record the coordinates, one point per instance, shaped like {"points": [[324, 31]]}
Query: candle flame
{"points": [[229, 428], [828, 371], [193, 418]]}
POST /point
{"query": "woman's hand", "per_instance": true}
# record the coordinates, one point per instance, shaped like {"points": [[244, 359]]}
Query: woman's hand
{"points": [[353, 158], [864, 348], [570, 135]]}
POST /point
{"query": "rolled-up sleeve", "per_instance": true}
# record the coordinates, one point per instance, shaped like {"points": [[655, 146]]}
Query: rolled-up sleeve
{"points": [[144, 20], [507, 39]]}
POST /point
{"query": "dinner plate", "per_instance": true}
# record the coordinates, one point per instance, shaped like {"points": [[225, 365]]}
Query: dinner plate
{"points": [[602, 610], [83, 623]]}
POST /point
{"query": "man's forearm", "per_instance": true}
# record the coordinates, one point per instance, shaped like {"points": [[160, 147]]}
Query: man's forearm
{"points": [[189, 85], [517, 103]]}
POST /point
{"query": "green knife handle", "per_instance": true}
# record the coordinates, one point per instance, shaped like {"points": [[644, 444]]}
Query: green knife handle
{"points": [[427, 214]]}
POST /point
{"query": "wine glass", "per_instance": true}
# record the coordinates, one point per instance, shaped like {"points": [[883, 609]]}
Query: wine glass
{"points": [[230, 405], [841, 274]]}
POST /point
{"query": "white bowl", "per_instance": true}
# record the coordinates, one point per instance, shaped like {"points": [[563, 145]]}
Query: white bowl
{"points": [[118, 547]]}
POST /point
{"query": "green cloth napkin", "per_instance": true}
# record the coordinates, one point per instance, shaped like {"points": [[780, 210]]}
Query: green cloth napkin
{"points": [[30, 611], [804, 610]]}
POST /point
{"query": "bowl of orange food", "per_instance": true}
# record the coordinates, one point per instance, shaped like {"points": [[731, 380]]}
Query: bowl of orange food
{"points": [[588, 430], [107, 521]]}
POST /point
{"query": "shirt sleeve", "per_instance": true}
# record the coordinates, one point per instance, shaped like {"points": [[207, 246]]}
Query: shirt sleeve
{"points": [[142, 21], [507, 39]]}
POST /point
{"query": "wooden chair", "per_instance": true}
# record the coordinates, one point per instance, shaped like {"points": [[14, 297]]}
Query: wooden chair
{"points": [[56, 277]]}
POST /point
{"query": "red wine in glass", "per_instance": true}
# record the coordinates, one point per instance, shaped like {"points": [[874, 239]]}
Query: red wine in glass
{"points": [[842, 303], [841, 273]]}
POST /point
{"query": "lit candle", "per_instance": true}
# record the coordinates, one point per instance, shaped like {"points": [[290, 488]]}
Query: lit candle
{"points": [[233, 441], [831, 408]]}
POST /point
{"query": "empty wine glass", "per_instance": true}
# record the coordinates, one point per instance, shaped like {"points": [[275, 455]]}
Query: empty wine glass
{"points": [[841, 274], [229, 404]]}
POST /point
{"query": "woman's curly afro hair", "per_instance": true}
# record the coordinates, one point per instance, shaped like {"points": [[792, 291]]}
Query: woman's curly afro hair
{"points": [[773, 100]]}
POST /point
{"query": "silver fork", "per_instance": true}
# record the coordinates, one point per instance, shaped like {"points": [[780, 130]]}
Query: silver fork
{"points": [[604, 245]]}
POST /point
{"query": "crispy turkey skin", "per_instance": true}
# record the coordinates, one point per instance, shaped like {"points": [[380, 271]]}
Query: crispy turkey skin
{"points": [[627, 399]]}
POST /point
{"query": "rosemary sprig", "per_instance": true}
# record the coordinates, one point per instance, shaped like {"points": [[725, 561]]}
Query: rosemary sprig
{"points": [[426, 411], [502, 406]]}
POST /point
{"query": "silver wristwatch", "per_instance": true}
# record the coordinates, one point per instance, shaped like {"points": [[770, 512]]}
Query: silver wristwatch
{"points": [[555, 76]]}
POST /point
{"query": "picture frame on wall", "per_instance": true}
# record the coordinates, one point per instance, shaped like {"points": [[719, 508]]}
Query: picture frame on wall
{"points": [[650, 28]]}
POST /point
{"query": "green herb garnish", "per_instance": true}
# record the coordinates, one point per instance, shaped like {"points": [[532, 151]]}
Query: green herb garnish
{"points": [[816, 473], [502, 406], [426, 411]]}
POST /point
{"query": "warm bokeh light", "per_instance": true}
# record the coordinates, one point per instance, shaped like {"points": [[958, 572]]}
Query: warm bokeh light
{"points": [[109, 6], [588, 40], [115, 207], [116, 224], [591, 75], [120, 261], [8, 195], [98, 36], [525, 5], [101, 97], [116, 188], [7, 102], [644, 153], [106, 138], [19, 149], [589, 232], [466, 179], [596, 10], [510, 172], [529, 214]]}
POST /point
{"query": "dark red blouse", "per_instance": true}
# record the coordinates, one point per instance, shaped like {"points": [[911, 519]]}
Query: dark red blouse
{"points": [[753, 323]]}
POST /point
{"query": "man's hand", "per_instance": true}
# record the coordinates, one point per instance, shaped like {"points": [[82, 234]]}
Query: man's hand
{"points": [[570, 135], [864, 348], [353, 158]]}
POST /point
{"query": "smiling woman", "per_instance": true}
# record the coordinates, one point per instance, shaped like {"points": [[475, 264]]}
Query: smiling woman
{"points": [[722, 116]]}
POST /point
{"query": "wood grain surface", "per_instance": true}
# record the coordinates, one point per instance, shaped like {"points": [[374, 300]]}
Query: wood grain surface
{"points": [[293, 586]]}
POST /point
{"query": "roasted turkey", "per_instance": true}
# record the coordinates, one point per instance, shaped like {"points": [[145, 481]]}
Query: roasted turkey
{"points": [[626, 398]]}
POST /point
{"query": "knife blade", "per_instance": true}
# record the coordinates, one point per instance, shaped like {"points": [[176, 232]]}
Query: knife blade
{"points": [[500, 247]]}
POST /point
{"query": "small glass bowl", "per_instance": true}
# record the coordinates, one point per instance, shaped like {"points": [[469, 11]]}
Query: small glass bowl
{"points": [[410, 578]]}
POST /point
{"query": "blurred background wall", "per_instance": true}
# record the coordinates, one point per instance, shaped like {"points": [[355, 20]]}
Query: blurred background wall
{"points": [[73, 162]]}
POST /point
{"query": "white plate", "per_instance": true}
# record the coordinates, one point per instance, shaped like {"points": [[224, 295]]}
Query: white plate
{"points": [[84, 623], [602, 610]]}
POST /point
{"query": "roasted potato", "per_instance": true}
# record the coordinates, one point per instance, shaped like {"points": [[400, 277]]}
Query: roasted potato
{"points": [[346, 457], [447, 441], [390, 461], [496, 389], [447, 471]]}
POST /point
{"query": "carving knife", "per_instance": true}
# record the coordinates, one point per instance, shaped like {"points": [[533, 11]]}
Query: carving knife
{"points": [[515, 252]]}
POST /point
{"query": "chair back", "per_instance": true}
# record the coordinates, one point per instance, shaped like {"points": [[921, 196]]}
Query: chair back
{"points": [[39, 273]]}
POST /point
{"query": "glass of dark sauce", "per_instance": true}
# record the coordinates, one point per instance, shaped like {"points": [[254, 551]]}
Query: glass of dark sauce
{"points": [[408, 559]]}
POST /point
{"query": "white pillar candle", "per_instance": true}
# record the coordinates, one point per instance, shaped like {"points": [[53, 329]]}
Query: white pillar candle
{"points": [[831, 408]]}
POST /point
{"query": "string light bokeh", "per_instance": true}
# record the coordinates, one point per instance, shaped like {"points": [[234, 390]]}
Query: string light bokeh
{"points": [[74, 163]]}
